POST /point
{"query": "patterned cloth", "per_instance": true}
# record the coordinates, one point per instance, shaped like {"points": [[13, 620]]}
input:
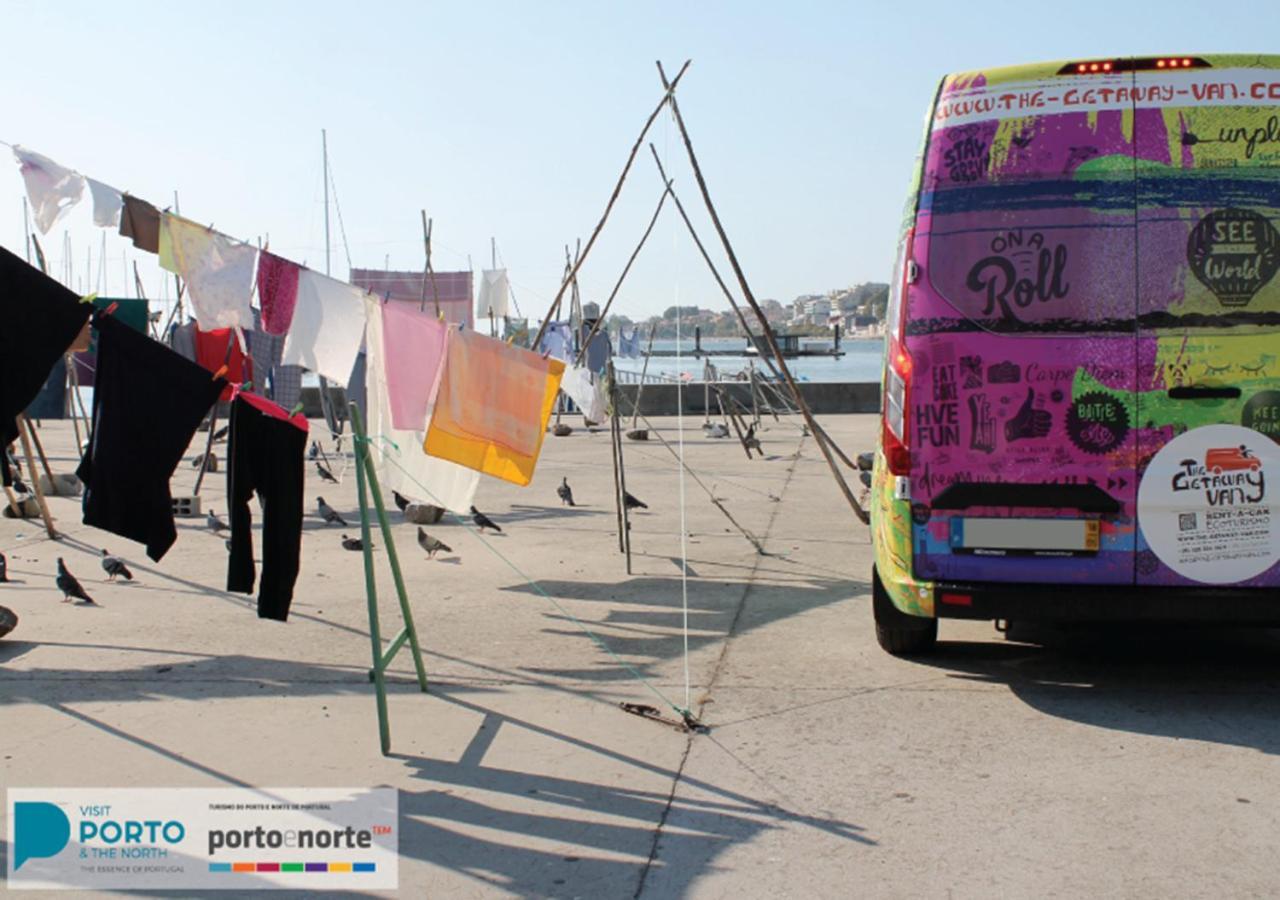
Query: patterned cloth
{"points": [[218, 271], [277, 291]]}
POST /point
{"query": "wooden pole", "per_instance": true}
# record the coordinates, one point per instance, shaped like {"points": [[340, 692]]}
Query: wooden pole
{"points": [[44, 460], [818, 436], [621, 278], [23, 426], [622, 469], [644, 370], [669, 93], [613, 450]]}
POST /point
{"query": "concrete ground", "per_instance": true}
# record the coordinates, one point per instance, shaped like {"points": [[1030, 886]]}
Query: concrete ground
{"points": [[1081, 763]]}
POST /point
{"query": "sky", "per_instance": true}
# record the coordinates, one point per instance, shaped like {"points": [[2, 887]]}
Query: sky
{"points": [[512, 121]]}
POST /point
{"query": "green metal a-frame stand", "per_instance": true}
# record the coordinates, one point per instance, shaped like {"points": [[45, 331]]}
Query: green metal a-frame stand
{"points": [[366, 484]]}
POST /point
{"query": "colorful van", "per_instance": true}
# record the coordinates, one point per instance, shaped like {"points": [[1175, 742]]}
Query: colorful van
{"points": [[1081, 414]]}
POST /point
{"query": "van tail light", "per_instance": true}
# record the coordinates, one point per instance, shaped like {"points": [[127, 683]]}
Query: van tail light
{"points": [[897, 378], [897, 400]]}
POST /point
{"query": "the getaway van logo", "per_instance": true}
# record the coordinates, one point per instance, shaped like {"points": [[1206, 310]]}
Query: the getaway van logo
{"points": [[203, 838], [1229, 476]]}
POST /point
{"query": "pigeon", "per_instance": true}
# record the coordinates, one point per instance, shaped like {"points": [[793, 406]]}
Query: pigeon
{"points": [[751, 441], [228, 543], [432, 545], [716, 430], [19, 485], [328, 513], [113, 566], [631, 502], [401, 500], [565, 493], [482, 521], [350, 543], [325, 474], [69, 586], [314, 451], [214, 523], [221, 433], [4, 569]]}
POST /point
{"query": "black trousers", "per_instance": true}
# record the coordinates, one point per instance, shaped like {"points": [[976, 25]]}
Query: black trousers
{"points": [[266, 456], [147, 403]]}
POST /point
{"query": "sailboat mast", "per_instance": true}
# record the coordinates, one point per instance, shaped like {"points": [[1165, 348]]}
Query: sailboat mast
{"points": [[324, 149]]}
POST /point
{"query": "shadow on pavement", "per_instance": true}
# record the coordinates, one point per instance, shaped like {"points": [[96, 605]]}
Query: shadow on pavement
{"points": [[1215, 684]]}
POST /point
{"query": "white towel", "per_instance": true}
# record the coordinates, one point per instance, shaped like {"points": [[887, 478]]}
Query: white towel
{"points": [[107, 203], [586, 389], [402, 464], [51, 189], [327, 327], [494, 291]]}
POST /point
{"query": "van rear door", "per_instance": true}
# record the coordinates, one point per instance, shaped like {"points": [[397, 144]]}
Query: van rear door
{"points": [[1021, 331], [1208, 189]]}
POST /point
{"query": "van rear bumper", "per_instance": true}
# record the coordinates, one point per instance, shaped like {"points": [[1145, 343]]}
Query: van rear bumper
{"points": [[1105, 603]]}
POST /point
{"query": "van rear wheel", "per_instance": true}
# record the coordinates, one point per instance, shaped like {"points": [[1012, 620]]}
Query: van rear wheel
{"points": [[897, 632]]}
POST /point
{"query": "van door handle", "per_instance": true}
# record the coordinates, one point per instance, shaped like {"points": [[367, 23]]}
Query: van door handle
{"points": [[1198, 392]]}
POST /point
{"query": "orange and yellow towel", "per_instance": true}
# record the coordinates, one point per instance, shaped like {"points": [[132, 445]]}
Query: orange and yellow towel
{"points": [[492, 408]]}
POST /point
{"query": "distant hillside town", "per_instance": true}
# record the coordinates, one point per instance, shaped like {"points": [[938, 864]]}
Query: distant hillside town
{"points": [[858, 310]]}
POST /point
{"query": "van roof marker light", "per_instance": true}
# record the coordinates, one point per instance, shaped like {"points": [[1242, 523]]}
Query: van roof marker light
{"points": [[1139, 64]]}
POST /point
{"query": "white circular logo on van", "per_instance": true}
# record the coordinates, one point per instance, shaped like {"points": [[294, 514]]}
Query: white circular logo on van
{"points": [[1205, 507]]}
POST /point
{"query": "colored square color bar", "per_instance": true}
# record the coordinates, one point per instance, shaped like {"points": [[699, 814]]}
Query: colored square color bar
{"points": [[219, 867], [339, 867], [244, 867], [317, 867], [365, 867], [292, 867], [269, 867]]}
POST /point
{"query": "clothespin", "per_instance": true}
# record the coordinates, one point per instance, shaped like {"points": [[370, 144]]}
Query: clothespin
{"points": [[88, 298], [218, 374], [297, 408], [110, 309]]}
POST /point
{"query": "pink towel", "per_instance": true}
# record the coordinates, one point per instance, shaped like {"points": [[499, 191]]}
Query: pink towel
{"points": [[413, 345], [277, 292]]}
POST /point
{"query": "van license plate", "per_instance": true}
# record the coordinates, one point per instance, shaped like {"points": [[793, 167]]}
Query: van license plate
{"points": [[1024, 537]]}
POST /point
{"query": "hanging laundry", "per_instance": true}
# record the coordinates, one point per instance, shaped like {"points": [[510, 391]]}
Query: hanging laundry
{"points": [[286, 385], [265, 452], [277, 291], [140, 222], [327, 327], [492, 407], [586, 389], [43, 319], [182, 340], [451, 291], [107, 203], [147, 405], [557, 341], [265, 350], [629, 344], [218, 348], [491, 302], [402, 466], [52, 189], [413, 343], [218, 271], [599, 350], [132, 311]]}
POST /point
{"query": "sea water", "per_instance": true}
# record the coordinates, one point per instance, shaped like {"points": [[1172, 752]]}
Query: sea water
{"points": [[862, 360]]}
